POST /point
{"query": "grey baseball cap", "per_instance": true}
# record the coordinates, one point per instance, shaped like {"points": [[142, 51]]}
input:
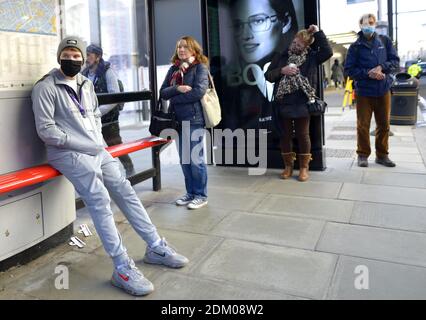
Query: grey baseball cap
{"points": [[72, 42]]}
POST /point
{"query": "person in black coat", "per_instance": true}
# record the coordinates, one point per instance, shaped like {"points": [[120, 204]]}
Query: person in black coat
{"points": [[295, 74], [370, 62]]}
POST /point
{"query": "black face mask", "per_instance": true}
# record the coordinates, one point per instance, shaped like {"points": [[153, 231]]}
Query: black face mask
{"points": [[71, 67]]}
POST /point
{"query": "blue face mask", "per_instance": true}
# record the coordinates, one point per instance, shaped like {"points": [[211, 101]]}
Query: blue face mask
{"points": [[368, 31]]}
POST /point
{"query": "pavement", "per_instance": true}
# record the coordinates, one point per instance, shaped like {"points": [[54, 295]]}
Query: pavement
{"points": [[348, 233]]}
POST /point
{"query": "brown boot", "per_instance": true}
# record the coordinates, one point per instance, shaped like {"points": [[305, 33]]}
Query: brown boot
{"points": [[304, 160], [288, 159]]}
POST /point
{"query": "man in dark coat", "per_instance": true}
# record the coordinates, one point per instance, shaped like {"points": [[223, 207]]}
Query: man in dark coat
{"points": [[105, 80], [370, 62]]}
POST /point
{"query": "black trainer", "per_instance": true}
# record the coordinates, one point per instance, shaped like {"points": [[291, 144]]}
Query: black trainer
{"points": [[385, 161], [362, 162]]}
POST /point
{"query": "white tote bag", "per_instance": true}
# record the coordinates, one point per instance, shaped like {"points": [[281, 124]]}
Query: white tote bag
{"points": [[211, 106]]}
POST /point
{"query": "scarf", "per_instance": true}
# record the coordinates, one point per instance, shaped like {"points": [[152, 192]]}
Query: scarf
{"points": [[182, 69], [291, 84]]}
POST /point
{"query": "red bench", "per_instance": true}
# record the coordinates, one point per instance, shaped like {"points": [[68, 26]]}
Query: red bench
{"points": [[27, 177]]}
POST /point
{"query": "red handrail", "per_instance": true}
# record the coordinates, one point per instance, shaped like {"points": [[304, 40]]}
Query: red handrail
{"points": [[129, 147], [31, 176], [27, 177]]}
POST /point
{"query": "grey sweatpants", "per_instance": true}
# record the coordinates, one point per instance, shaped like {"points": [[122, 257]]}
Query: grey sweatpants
{"points": [[93, 177]]}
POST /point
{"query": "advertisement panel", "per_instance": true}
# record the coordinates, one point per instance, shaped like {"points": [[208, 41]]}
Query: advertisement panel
{"points": [[244, 37]]}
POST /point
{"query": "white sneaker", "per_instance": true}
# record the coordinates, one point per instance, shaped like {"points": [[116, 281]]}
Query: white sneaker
{"points": [[131, 280], [197, 203], [165, 255], [185, 200]]}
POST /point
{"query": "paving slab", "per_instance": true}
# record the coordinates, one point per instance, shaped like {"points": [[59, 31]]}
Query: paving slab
{"points": [[403, 144], [321, 209], [89, 276], [407, 139], [170, 216], [88, 280], [13, 295], [395, 179], [230, 200], [401, 167], [384, 194], [404, 150], [196, 247], [387, 281], [339, 164], [20, 276], [329, 190], [336, 175], [285, 231], [403, 157], [167, 195], [389, 216], [402, 129], [172, 286], [237, 183], [420, 134], [341, 144], [374, 243], [297, 272]]}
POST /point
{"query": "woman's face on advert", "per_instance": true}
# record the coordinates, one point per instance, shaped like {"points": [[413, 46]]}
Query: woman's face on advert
{"points": [[257, 29], [183, 51]]}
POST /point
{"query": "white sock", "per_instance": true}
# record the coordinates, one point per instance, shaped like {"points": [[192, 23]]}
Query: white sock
{"points": [[156, 243]]}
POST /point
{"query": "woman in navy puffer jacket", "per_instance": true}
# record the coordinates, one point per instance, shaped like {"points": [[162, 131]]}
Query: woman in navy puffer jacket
{"points": [[185, 84]]}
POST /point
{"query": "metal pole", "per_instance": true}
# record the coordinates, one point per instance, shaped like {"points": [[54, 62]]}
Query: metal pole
{"points": [[390, 19], [152, 52], [156, 164], [61, 19], [205, 27], [396, 25], [98, 5]]}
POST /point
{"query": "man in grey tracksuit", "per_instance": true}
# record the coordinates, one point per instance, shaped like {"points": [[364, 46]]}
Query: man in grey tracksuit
{"points": [[68, 120]]}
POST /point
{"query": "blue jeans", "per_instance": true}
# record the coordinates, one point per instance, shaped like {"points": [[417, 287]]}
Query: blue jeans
{"points": [[95, 178], [191, 153]]}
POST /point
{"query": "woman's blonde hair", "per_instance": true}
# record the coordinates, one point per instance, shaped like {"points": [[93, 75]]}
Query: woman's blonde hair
{"points": [[194, 47], [306, 36]]}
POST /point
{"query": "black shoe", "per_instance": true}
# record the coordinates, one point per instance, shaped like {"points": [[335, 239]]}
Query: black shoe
{"points": [[362, 162], [386, 162]]}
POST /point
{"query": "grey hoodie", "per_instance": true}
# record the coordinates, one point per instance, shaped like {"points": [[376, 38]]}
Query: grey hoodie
{"points": [[59, 122]]}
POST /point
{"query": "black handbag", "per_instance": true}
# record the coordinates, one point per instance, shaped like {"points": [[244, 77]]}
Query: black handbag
{"points": [[317, 107], [161, 120]]}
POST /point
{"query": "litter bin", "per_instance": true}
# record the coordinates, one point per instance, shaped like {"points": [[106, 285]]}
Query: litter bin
{"points": [[405, 92]]}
